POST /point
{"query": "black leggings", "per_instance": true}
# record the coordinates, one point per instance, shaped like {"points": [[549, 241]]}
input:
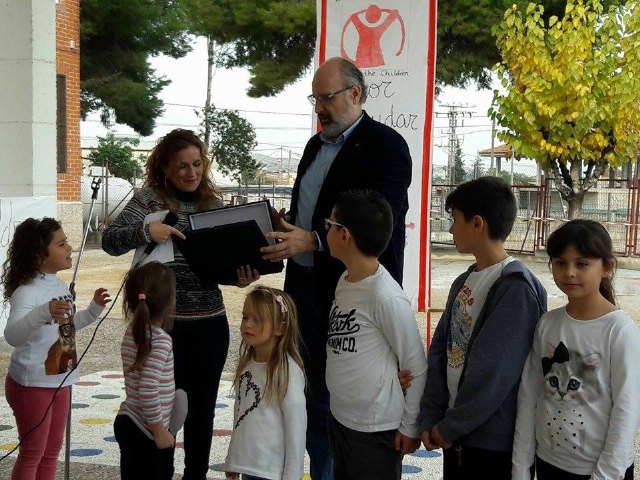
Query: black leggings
{"points": [[199, 351], [139, 456], [546, 471]]}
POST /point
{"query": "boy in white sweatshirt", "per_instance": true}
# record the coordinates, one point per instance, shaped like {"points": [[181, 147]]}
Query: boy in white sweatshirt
{"points": [[372, 334]]}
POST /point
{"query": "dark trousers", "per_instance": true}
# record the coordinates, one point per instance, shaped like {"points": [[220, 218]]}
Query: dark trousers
{"points": [[139, 456], [199, 351], [463, 463], [546, 471], [363, 455], [313, 315]]}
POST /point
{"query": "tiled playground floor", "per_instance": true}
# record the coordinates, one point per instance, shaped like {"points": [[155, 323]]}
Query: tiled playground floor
{"points": [[94, 452]]}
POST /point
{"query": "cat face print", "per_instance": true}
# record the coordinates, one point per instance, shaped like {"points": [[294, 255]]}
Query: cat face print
{"points": [[570, 376]]}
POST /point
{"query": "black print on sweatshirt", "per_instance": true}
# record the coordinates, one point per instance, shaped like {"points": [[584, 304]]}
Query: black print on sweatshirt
{"points": [[342, 328], [62, 356], [246, 388]]}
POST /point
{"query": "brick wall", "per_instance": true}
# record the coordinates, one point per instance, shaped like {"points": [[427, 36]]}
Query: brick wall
{"points": [[68, 64]]}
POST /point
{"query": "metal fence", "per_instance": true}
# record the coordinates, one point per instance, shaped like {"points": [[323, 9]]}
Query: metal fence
{"points": [[616, 204]]}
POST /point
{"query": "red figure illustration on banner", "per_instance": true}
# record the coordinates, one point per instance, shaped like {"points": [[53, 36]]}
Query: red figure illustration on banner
{"points": [[371, 24]]}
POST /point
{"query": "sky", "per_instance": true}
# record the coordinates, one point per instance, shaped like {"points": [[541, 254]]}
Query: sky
{"points": [[283, 123]]}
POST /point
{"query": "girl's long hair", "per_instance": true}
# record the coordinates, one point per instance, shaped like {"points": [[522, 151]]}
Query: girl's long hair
{"points": [[592, 240], [161, 157], [27, 251], [149, 299], [264, 302]]}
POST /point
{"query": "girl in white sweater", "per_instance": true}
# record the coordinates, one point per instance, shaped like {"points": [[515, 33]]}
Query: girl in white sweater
{"points": [[270, 417], [579, 400], [41, 327]]}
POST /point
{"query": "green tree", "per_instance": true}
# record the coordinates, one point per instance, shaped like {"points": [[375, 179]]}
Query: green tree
{"points": [[572, 99], [273, 39], [118, 152], [459, 173], [117, 38], [466, 47], [232, 140]]}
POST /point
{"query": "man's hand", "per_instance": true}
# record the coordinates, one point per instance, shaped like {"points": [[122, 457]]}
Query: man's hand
{"points": [[427, 441], [276, 216], [405, 444], [292, 241], [405, 377]]}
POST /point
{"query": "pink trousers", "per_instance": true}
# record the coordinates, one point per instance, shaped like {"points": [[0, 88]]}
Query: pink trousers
{"points": [[38, 453]]}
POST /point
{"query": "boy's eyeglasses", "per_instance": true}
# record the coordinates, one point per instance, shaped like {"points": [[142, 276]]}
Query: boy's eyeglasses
{"points": [[325, 99], [328, 222]]}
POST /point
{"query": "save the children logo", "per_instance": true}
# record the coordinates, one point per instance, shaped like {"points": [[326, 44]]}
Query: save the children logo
{"points": [[342, 328], [368, 28]]}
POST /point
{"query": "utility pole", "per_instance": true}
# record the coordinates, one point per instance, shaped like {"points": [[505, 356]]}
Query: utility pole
{"points": [[455, 113]]}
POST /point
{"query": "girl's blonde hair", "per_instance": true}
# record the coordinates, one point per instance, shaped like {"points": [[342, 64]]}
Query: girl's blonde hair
{"points": [[149, 295], [275, 306]]}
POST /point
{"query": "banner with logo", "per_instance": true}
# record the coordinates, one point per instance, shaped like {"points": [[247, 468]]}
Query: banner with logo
{"points": [[14, 210], [393, 42]]}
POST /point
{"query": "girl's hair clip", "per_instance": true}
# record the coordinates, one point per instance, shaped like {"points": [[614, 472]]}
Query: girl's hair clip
{"points": [[142, 297], [283, 307]]}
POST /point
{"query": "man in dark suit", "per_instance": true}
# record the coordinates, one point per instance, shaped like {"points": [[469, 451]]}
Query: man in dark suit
{"points": [[352, 151]]}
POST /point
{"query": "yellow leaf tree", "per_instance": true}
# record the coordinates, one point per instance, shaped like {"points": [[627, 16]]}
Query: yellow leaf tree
{"points": [[571, 97]]}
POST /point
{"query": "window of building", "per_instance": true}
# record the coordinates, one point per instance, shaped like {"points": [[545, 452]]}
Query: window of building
{"points": [[61, 122]]}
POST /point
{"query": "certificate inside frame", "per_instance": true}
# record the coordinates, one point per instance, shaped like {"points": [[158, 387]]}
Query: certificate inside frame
{"points": [[259, 211]]}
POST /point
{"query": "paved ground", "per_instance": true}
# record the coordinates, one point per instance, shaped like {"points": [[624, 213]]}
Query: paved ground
{"points": [[98, 398]]}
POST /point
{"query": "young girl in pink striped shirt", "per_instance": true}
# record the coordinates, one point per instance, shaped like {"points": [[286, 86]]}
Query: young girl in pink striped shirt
{"points": [[142, 424]]}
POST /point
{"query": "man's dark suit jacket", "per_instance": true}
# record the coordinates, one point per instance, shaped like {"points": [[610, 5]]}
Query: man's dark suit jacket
{"points": [[373, 157]]}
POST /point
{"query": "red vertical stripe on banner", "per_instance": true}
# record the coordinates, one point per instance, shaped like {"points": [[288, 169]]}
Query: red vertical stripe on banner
{"points": [[322, 54], [424, 275]]}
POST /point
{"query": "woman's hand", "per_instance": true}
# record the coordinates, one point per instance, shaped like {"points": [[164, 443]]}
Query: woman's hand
{"points": [[101, 297], [161, 232], [246, 276]]}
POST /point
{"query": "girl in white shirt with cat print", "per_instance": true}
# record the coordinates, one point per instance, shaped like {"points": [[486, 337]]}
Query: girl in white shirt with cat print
{"points": [[579, 400]]}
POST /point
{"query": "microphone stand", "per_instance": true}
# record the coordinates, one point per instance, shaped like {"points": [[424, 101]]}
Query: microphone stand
{"points": [[95, 186]]}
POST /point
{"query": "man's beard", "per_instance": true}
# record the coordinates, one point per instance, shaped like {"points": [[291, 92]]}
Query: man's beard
{"points": [[338, 124]]}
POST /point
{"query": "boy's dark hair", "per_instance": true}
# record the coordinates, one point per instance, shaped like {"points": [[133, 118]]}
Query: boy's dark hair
{"points": [[489, 197], [368, 216], [27, 250], [589, 238]]}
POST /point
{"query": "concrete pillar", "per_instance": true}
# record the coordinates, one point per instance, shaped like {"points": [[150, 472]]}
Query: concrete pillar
{"points": [[27, 98]]}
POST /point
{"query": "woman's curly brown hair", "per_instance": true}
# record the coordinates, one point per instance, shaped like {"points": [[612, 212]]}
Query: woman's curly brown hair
{"points": [[164, 153], [26, 252]]}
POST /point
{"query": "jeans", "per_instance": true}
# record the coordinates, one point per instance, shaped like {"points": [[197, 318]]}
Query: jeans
{"points": [[313, 315], [38, 453], [462, 463]]}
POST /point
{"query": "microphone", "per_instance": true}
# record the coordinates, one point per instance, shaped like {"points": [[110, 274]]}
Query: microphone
{"points": [[170, 219]]}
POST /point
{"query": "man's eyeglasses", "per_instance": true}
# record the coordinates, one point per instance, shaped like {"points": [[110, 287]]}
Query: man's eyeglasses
{"points": [[328, 222], [325, 99]]}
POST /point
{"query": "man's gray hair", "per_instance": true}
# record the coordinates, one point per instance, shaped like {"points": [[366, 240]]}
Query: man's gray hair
{"points": [[351, 75]]}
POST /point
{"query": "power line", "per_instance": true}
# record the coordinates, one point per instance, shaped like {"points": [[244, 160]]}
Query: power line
{"points": [[240, 110]]}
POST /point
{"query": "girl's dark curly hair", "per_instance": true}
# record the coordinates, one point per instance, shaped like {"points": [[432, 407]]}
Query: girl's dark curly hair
{"points": [[26, 252]]}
